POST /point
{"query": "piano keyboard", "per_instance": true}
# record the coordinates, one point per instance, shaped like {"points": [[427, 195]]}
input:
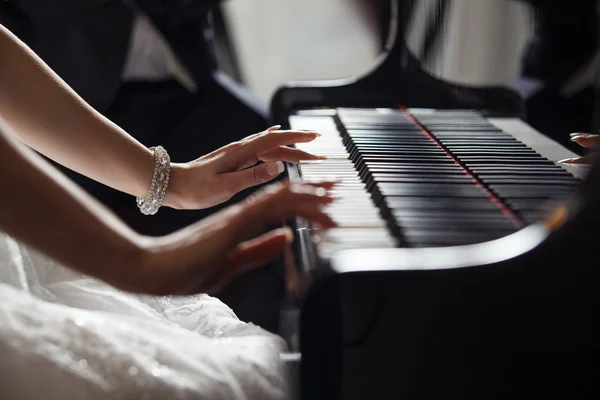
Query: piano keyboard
{"points": [[425, 178]]}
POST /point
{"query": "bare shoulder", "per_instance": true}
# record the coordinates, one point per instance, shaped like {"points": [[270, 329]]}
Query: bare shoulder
{"points": [[6, 44]]}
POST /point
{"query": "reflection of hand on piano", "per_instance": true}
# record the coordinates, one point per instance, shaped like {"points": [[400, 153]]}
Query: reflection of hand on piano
{"points": [[588, 141]]}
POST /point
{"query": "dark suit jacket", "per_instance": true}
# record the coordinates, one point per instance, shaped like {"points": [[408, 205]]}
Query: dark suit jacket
{"points": [[565, 38], [86, 41]]}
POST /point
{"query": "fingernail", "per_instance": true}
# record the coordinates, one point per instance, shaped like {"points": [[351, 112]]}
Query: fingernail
{"points": [[310, 132], [320, 192], [311, 161], [577, 137], [577, 134], [275, 169], [323, 157], [289, 234], [274, 127], [565, 161], [280, 167]]}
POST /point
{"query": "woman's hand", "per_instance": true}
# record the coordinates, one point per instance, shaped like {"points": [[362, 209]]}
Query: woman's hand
{"points": [[39, 109], [208, 255], [584, 140], [48, 212], [216, 177]]}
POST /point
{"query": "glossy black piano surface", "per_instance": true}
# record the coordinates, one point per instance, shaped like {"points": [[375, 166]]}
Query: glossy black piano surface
{"points": [[458, 269]]}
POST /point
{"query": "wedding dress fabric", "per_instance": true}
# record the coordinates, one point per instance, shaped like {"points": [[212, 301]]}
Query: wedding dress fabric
{"points": [[68, 336]]}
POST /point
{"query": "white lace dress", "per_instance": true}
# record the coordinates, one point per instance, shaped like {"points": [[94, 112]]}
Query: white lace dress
{"points": [[67, 336]]}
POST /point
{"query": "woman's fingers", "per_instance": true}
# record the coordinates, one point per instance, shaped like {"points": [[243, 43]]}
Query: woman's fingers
{"points": [[277, 127], [261, 249], [586, 140], [276, 203], [246, 152], [249, 255], [283, 153], [325, 185], [269, 140], [235, 182], [316, 215], [270, 205], [284, 201]]}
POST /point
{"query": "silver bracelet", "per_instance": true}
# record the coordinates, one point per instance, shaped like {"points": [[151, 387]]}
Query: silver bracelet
{"points": [[160, 182]]}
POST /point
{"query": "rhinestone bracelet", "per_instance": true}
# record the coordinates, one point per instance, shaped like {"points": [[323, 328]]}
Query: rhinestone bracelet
{"points": [[160, 182]]}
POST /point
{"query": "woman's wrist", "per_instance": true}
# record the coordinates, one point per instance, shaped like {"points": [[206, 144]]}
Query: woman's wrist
{"points": [[163, 263], [174, 197]]}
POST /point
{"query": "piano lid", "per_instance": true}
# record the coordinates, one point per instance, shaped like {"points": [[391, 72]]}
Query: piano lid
{"points": [[438, 54], [469, 42]]}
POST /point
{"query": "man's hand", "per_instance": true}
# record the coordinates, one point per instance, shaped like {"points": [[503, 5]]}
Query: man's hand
{"points": [[216, 177], [206, 256]]}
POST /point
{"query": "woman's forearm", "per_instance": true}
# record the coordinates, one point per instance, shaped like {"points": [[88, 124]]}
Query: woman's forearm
{"points": [[45, 210], [38, 108]]}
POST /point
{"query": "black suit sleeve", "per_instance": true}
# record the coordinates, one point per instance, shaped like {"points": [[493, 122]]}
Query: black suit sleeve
{"points": [[175, 12], [564, 10]]}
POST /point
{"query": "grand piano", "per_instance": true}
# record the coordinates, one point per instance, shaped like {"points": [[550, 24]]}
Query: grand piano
{"points": [[465, 264]]}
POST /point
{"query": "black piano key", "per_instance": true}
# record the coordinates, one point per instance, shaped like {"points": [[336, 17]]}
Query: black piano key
{"points": [[427, 190], [466, 130], [411, 203], [524, 172], [409, 136], [415, 140], [448, 222], [534, 217], [417, 171], [477, 140], [531, 180], [364, 126], [506, 159], [381, 147], [512, 153], [531, 204], [514, 166], [441, 179], [412, 154], [403, 160], [441, 168], [449, 238], [399, 154], [366, 171], [531, 193], [482, 216]]}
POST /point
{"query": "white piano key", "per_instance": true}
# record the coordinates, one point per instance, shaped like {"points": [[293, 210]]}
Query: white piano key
{"points": [[544, 145]]}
